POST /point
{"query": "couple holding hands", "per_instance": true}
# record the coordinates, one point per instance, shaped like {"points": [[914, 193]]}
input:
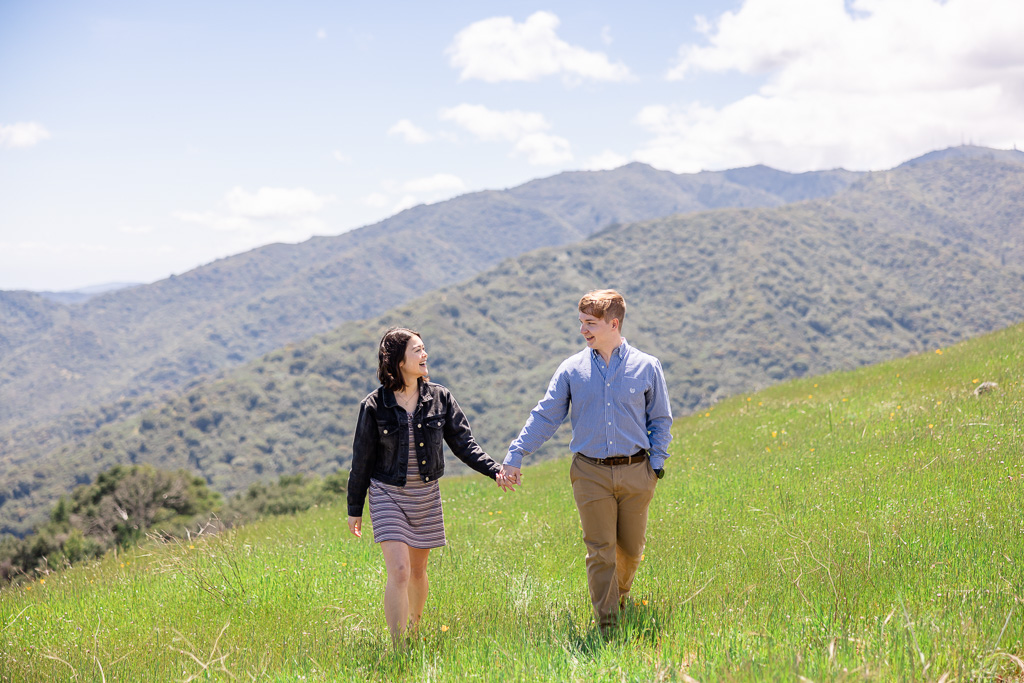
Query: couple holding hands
{"points": [[618, 404]]}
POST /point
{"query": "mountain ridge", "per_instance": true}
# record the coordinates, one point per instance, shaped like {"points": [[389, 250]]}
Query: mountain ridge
{"points": [[730, 300], [148, 340]]}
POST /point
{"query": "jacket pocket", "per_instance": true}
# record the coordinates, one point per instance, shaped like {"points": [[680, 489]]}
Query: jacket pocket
{"points": [[433, 429], [388, 434]]}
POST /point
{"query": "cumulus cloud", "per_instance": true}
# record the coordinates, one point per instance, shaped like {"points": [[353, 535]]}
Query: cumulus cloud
{"points": [[490, 125], [605, 161], [273, 202], [277, 212], [862, 84], [525, 129], [439, 182], [377, 200], [397, 196], [499, 49], [542, 149], [410, 132], [136, 229], [215, 220], [22, 134]]}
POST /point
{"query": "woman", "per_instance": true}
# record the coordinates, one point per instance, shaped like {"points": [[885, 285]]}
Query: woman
{"points": [[397, 457]]}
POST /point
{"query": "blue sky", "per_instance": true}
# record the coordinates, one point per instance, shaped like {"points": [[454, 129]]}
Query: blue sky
{"points": [[142, 139]]}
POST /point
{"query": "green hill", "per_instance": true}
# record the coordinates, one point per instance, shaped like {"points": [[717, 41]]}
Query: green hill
{"points": [[729, 300], [864, 525], [125, 348]]}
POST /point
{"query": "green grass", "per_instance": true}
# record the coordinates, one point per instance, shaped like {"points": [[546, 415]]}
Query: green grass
{"points": [[863, 525]]}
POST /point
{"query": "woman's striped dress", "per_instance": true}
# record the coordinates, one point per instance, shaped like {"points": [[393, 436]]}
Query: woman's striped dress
{"points": [[412, 513]]}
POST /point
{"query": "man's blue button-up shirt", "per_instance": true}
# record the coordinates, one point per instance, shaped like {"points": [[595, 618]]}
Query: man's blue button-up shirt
{"points": [[617, 409]]}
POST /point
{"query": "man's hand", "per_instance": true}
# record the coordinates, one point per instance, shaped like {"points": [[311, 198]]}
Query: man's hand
{"points": [[503, 483], [509, 477], [355, 525]]}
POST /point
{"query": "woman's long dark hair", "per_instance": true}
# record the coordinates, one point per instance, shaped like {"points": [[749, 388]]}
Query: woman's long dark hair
{"points": [[390, 355]]}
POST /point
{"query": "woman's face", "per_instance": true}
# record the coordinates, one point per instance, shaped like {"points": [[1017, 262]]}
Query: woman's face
{"points": [[414, 365]]}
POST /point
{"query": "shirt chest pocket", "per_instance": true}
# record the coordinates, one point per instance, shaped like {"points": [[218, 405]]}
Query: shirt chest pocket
{"points": [[633, 391]]}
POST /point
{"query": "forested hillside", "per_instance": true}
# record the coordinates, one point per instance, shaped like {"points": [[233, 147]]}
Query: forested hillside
{"points": [[731, 300], [125, 349]]}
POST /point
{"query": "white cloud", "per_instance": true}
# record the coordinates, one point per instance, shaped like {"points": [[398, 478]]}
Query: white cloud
{"points": [[269, 214], [542, 149], [22, 134], [217, 221], [606, 35], [490, 125], [605, 161], [406, 202], [426, 190], [863, 85], [524, 129], [409, 131], [498, 49], [274, 202], [321, 34], [341, 157], [439, 182], [377, 200], [136, 229]]}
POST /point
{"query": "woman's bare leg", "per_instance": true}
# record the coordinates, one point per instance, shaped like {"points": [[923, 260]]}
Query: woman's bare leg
{"points": [[396, 592], [418, 585]]}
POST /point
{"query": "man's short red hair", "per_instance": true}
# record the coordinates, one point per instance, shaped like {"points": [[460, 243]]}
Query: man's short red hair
{"points": [[604, 302]]}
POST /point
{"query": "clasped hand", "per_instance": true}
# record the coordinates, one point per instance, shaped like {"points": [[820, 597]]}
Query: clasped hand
{"points": [[509, 477]]}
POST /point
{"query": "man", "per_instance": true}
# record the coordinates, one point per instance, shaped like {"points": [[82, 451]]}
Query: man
{"points": [[620, 434]]}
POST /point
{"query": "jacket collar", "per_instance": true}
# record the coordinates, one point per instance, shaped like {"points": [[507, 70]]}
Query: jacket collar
{"points": [[425, 396]]}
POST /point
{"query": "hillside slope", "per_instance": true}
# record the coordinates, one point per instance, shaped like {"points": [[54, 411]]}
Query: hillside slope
{"points": [[729, 300], [117, 349], [862, 526]]}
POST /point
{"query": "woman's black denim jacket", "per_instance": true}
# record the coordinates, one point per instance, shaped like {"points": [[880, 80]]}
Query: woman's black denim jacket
{"points": [[380, 449]]}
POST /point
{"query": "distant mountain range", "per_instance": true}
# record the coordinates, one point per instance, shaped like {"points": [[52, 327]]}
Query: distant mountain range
{"points": [[83, 294], [730, 299], [65, 369]]}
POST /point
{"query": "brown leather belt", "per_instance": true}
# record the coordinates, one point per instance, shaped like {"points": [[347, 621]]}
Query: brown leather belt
{"points": [[639, 456]]}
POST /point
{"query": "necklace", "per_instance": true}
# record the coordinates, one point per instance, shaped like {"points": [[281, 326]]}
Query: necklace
{"points": [[408, 404]]}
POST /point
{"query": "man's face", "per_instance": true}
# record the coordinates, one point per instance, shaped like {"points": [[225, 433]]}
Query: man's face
{"points": [[599, 333]]}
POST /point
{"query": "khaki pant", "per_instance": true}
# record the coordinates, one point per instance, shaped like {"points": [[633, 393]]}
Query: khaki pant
{"points": [[612, 502]]}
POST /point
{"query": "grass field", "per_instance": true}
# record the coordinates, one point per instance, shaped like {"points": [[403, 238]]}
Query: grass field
{"points": [[856, 526]]}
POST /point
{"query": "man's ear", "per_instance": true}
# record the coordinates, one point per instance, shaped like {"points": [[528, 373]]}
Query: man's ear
{"points": [[616, 324]]}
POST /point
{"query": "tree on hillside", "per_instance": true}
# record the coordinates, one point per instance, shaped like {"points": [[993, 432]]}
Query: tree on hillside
{"points": [[127, 502]]}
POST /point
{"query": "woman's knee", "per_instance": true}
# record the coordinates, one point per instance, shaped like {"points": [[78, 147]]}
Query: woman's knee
{"points": [[399, 572]]}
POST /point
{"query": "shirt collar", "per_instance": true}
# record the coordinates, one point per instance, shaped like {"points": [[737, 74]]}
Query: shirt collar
{"points": [[620, 350]]}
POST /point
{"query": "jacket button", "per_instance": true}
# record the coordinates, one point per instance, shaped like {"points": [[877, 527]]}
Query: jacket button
{"points": [[385, 431], [419, 426], [426, 478], [421, 444], [423, 462]]}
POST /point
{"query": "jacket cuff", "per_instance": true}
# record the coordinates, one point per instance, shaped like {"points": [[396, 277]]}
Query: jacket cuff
{"points": [[354, 511]]}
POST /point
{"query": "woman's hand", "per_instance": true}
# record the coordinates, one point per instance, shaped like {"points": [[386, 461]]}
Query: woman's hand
{"points": [[508, 477], [355, 525]]}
